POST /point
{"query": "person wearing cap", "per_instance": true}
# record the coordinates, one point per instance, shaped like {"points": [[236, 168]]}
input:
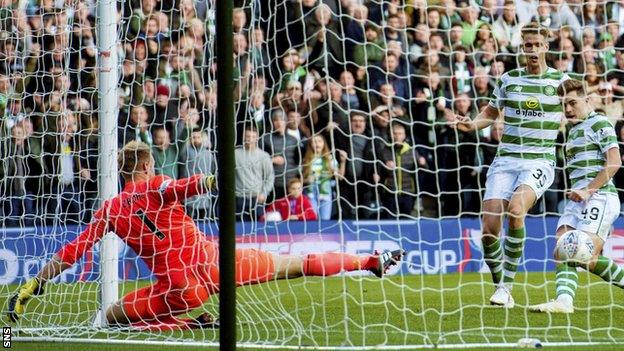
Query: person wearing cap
{"points": [[372, 49], [163, 109], [607, 51]]}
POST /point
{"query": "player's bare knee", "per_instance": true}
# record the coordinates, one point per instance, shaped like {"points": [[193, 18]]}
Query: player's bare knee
{"points": [[517, 213], [492, 219], [491, 226]]}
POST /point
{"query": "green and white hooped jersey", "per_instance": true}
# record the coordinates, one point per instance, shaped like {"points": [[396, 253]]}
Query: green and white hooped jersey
{"points": [[587, 144], [532, 112]]}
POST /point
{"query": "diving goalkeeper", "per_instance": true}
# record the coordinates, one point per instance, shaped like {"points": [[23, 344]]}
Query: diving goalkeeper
{"points": [[149, 217]]}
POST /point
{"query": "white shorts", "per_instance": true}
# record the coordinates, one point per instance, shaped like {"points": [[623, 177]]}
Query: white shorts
{"points": [[506, 174], [596, 216]]}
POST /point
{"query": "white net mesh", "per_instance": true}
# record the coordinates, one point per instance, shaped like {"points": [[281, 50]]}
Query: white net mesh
{"points": [[351, 97]]}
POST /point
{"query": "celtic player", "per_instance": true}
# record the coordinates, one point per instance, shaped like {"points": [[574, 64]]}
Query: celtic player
{"points": [[593, 158], [524, 166]]}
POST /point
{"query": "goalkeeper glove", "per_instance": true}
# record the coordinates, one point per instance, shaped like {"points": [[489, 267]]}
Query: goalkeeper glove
{"points": [[17, 303], [210, 182]]}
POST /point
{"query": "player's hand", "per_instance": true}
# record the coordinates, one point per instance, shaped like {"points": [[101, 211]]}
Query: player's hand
{"points": [[210, 182], [461, 123], [464, 124], [17, 303], [580, 195]]}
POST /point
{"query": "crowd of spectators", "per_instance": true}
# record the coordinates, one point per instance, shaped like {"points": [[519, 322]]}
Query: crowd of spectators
{"points": [[340, 104]]}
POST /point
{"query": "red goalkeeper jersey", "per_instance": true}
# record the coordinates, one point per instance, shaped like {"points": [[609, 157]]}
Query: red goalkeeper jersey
{"points": [[149, 217]]}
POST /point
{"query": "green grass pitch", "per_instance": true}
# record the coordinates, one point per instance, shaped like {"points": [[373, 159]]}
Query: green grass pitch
{"points": [[358, 311]]}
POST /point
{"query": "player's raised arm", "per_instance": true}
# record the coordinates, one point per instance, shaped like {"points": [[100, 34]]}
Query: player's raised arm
{"points": [[136, 165], [180, 189], [62, 260]]}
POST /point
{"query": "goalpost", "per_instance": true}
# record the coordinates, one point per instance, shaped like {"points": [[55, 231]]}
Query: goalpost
{"points": [[108, 112], [301, 68]]}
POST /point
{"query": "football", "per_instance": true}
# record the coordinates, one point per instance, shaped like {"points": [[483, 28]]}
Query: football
{"points": [[575, 247]]}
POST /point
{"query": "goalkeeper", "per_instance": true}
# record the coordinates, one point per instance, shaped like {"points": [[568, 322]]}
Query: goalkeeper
{"points": [[149, 217], [593, 158]]}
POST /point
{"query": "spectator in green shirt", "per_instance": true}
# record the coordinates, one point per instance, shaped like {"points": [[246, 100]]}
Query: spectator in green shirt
{"points": [[165, 156], [470, 22], [372, 50]]}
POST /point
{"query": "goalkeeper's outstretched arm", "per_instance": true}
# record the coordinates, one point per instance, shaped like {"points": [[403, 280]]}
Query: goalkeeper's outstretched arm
{"points": [[35, 286], [62, 260], [483, 120], [51, 270]]}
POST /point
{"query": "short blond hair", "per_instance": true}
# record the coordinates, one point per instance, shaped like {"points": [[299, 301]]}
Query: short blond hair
{"points": [[535, 28], [571, 85], [131, 155]]}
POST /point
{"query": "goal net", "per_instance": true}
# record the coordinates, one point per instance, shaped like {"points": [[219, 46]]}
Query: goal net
{"points": [[350, 97]]}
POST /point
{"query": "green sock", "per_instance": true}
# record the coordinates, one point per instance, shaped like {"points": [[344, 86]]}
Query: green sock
{"points": [[493, 256], [610, 271], [513, 247], [566, 280]]}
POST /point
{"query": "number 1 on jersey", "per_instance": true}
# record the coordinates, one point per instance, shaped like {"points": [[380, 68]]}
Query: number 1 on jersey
{"points": [[150, 225]]}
